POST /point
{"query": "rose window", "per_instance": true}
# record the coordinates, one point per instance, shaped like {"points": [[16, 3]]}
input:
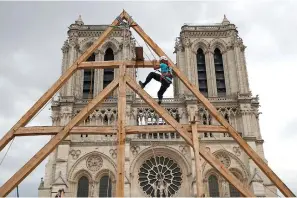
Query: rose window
{"points": [[160, 177]]}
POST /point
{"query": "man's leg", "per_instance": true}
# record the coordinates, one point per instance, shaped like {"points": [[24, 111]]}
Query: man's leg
{"points": [[163, 88], [152, 75]]}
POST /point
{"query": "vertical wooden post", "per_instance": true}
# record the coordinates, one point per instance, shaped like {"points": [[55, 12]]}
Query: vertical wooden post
{"points": [[120, 182], [195, 135]]}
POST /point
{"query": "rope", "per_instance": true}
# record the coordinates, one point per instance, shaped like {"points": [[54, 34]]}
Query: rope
{"points": [[27, 123], [271, 191], [6, 152]]}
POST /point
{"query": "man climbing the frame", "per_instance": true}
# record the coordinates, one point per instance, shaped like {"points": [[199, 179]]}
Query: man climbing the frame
{"points": [[165, 78]]}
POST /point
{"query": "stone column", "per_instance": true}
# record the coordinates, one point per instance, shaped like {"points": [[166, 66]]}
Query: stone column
{"points": [[187, 46], [210, 72], [65, 50], [240, 70], [182, 66], [233, 74], [246, 88], [97, 78], [247, 123], [226, 73], [72, 59]]}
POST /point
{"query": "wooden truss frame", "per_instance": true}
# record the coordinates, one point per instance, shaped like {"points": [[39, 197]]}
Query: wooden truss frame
{"points": [[188, 131]]}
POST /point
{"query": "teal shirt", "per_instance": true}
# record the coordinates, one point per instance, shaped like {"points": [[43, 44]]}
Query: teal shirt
{"points": [[164, 69]]}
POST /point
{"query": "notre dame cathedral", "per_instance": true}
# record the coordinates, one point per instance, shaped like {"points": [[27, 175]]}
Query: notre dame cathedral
{"points": [[213, 58]]}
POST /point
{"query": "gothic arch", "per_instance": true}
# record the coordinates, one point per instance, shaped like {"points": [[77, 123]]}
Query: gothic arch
{"points": [[71, 173], [210, 172], [244, 172], [105, 172], [81, 173], [200, 43], [86, 43], [237, 173], [111, 43], [218, 43], [111, 175], [164, 151]]}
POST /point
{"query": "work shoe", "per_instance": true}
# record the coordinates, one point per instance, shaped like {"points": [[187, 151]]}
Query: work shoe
{"points": [[159, 102], [141, 84]]}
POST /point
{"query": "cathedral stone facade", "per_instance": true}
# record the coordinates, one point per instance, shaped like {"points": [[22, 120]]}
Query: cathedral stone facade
{"points": [[159, 164]]}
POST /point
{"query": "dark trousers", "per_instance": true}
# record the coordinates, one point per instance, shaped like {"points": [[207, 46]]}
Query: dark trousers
{"points": [[164, 84]]}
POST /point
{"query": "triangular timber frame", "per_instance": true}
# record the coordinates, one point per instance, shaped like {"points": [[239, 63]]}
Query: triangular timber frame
{"points": [[188, 132]]}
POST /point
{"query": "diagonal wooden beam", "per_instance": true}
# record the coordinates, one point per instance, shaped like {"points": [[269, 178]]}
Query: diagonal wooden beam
{"points": [[53, 143], [56, 86], [178, 127], [249, 151]]}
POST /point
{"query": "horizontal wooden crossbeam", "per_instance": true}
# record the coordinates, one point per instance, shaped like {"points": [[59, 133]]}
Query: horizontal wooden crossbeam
{"points": [[109, 130], [115, 64]]}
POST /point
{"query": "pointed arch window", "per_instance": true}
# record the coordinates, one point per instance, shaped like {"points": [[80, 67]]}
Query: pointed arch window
{"points": [[108, 74], [219, 70], [201, 68], [232, 190], [213, 186], [105, 187], [88, 81], [83, 187]]}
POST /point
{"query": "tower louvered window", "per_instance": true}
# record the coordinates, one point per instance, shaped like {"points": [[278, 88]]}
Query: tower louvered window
{"points": [[219, 70], [201, 68], [108, 74], [88, 81]]}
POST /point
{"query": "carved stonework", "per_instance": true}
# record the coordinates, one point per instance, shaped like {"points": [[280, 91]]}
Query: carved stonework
{"points": [[224, 158], [113, 153], [207, 149], [75, 153], [183, 149], [135, 149], [94, 162], [236, 150]]}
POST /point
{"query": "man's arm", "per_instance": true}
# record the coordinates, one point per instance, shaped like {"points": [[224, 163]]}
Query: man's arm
{"points": [[156, 67]]}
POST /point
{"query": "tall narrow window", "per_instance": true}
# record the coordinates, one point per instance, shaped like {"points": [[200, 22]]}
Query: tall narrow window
{"points": [[202, 79], [219, 69], [105, 187], [88, 84], [233, 191], [108, 74], [213, 186], [83, 187]]}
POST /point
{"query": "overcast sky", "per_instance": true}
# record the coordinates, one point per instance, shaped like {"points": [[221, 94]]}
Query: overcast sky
{"points": [[32, 34]]}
